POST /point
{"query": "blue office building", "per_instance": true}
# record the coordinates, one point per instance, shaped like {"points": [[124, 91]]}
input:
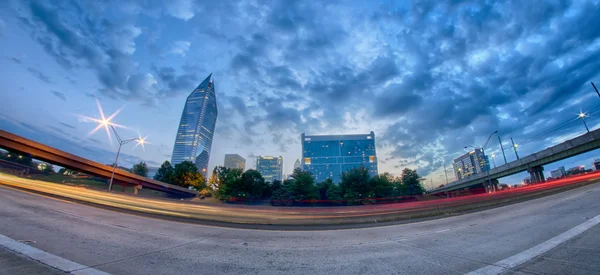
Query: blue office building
{"points": [[196, 127], [330, 156]]}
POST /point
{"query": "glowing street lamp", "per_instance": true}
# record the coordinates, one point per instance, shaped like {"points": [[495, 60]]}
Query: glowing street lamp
{"points": [[582, 115], [494, 159], [105, 122]]}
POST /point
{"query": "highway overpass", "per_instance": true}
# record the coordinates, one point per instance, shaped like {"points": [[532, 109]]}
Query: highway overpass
{"points": [[532, 163], [52, 155]]}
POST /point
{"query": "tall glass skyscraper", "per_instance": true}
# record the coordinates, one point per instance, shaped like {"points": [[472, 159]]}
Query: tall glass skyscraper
{"points": [[197, 126], [271, 168], [330, 156]]}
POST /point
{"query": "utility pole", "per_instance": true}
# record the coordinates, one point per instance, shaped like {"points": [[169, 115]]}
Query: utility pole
{"points": [[502, 148], [595, 89], [514, 147], [446, 172]]}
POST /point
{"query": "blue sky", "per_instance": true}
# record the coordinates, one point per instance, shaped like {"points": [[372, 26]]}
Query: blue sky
{"points": [[429, 77]]}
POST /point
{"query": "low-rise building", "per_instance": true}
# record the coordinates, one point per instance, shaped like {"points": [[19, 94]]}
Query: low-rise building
{"points": [[558, 173]]}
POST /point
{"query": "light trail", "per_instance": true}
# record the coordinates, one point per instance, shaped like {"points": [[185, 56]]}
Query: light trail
{"points": [[287, 215]]}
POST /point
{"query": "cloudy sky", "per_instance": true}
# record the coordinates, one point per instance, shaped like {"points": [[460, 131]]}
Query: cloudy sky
{"points": [[428, 77]]}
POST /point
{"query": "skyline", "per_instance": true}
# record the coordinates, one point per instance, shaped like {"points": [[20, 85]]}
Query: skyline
{"points": [[427, 85]]}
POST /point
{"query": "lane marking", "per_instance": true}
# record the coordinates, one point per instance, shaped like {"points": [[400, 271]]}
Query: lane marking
{"points": [[46, 258], [527, 255]]}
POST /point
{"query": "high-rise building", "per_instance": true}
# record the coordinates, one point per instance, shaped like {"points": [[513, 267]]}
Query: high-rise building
{"points": [[471, 163], [235, 161], [196, 127], [330, 156], [297, 164], [271, 168]]}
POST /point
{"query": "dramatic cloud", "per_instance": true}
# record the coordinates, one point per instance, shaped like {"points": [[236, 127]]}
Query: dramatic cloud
{"points": [[428, 77]]}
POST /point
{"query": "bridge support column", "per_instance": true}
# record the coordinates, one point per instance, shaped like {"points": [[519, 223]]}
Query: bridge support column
{"points": [[136, 189], [536, 174]]}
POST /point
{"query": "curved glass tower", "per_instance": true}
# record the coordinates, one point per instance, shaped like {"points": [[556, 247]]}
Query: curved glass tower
{"points": [[197, 125]]}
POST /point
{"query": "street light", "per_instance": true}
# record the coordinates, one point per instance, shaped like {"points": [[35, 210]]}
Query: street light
{"points": [[515, 147], [105, 122], [139, 140], [582, 115], [494, 159]]}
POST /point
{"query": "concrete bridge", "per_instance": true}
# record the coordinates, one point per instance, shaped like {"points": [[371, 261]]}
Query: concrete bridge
{"points": [[532, 164], [52, 155]]}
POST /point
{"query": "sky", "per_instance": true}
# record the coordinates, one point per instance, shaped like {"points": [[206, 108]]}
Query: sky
{"points": [[428, 77]]}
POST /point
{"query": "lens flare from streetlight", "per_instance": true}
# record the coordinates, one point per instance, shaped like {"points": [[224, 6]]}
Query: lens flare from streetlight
{"points": [[141, 141], [103, 122]]}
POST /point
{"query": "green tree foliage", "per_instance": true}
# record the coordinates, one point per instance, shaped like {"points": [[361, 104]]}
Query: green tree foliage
{"points": [[253, 185], [282, 195], [20, 158], [356, 184], [334, 194], [302, 186], [46, 167], [382, 186], [227, 182], [165, 173], [324, 187], [276, 185], [140, 169], [218, 177], [186, 174], [410, 179]]}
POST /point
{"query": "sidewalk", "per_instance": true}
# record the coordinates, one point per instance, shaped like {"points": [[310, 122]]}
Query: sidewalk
{"points": [[15, 263]]}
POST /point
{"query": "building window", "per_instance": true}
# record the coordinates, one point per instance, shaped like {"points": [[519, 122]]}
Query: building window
{"points": [[306, 160]]}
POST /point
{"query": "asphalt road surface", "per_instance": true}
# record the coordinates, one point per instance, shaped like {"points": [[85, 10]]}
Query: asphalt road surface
{"points": [[121, 243]]}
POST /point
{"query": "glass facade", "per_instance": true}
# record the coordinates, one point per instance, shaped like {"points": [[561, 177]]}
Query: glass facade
{"points": [[196, 127], [471, 163], [330, 156], [234, 161], [271, 168]]}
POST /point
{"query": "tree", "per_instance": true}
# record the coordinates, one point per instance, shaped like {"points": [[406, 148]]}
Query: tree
{"points": [[334, 195], [323, 188], [253, 184], [276, 185], [355, 183], [410, 179], [186, 174], [165, 173], [218, 177], [302, 185], [45, 167], [382, 185], [140, 169], [230, 183], [20, 158]]}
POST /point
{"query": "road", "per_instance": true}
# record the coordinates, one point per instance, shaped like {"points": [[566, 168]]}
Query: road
{"points": [[122, 243], [266, 217]]}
